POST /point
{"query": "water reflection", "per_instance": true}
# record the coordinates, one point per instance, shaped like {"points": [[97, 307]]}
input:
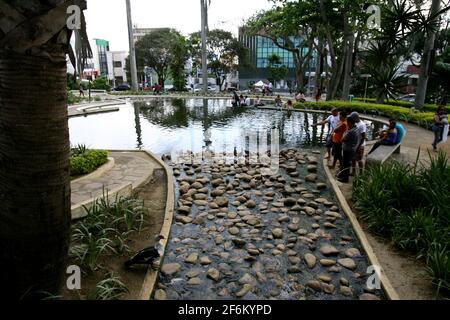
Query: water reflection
{"points": [[162, 125]]}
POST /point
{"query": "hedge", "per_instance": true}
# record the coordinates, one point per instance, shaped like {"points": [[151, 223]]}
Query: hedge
{"points": [[396, 103], [423, 119], [87, 162]]}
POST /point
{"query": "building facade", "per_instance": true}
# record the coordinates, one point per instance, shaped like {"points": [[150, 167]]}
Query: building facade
{"points": [[119, 64], [139, 33], [260, 49]]}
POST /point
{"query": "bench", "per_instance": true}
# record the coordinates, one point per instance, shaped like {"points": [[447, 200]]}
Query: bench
{"points": [[382, 154]]}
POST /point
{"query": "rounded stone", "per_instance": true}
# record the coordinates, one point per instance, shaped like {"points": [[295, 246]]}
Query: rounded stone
{"points": [[170, 269]]}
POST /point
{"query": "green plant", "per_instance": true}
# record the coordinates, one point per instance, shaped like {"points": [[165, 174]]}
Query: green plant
{"points": [[438, 261], [101, 83], [415, 232], [111, 288], [411, 204], [106, 229], [87, 161], [92, 244]]}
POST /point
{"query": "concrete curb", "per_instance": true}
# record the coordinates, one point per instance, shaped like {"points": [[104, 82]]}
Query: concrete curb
{"points": [[79, 212], [152, 275], [386, 284]]}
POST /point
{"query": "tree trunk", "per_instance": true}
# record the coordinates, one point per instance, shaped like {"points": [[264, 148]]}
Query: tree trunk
{"points": [[35, 213], [425, 65], [299, 74], [348, 66], [319, 65]]}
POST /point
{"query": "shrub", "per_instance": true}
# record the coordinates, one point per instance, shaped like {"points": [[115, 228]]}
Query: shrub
{"points": [[411, 204], [87, 162], [424, 119], [101, 83], [72, 99]]}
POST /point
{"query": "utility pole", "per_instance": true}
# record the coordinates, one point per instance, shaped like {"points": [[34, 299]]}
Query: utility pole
{"points": [[204, 7], [133, 68]]}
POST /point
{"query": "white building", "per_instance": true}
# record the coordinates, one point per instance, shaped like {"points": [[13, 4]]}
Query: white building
{"points": [[119, 64]]}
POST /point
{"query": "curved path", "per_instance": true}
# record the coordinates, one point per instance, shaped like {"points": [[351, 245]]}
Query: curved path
{"points": [[133, 168]]}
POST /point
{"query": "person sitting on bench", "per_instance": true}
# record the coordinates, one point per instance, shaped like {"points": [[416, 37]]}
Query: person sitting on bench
{"points": [[388, 137]]}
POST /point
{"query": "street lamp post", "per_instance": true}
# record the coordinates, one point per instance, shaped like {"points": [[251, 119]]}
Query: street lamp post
{"points": [[204, 8], [133, 68]]}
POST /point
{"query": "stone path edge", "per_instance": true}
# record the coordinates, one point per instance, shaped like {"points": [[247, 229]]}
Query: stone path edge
{"points": [[126, 190], [152, 275], [385, 282], [78, 211]]}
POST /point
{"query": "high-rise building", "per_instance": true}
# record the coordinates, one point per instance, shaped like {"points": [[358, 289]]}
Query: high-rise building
{"points": [[260, 49]]}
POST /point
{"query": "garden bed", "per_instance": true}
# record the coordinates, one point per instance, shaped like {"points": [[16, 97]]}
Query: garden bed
{"points": [[118, 228], [416, 225]]}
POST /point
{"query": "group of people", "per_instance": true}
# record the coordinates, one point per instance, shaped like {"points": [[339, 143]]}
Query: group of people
{"points": [[240, 101], [346, 142]]}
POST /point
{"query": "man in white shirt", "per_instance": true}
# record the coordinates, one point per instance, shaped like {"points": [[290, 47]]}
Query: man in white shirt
{"points": [[332, 122], [359, 157]]}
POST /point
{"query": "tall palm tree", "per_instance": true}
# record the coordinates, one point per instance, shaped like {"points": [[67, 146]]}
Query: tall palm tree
{"points": [[34, 145]]}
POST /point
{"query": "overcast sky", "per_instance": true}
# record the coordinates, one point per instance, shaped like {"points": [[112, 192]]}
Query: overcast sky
{"points": [[106, 19]]}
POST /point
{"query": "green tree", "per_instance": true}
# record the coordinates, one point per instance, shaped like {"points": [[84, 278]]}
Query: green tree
{"points": [[277, 70], [224, 53], [180, 53], [35, 213], [156, 50]]}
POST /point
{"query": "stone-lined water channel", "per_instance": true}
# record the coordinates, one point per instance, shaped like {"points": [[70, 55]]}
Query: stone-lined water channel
{"points": [[242, 233]]}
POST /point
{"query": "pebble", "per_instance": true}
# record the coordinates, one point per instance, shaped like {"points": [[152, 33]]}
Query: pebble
{"points": [[213, 274], [310, 260], [170, 269], [347, 263]]}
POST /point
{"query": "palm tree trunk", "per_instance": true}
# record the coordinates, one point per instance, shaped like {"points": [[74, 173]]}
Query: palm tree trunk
{"points": [[348, 66], [425, 67], [34, 173]]}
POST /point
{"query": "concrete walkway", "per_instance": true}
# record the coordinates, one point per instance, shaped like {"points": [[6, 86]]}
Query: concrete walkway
{"points": [[130, 167]]}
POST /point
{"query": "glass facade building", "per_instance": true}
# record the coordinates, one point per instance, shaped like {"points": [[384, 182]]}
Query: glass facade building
{"points": [[102, 49], [260, 49]]}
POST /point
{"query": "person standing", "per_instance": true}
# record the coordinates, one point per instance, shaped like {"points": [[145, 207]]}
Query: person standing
{"points": [[81, 91], [237, 101], [350, 143], [332, 122], [359, 156], [440, 122], [337, 137], [279, 102]]}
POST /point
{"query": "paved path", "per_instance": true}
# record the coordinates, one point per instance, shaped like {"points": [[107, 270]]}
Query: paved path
{"points": [[130, 167]]}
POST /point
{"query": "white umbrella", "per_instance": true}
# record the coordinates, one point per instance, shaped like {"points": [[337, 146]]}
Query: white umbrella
{"points": [[259, 84]]}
